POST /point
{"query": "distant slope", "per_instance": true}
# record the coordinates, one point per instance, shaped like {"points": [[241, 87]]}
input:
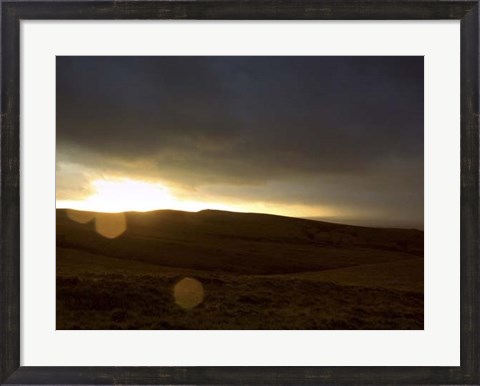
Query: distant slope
{"points": [[244, 243], [405, 275]]}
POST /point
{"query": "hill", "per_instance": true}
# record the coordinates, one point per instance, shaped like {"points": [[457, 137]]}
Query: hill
{"points": [[241, 242], [252, 267]]}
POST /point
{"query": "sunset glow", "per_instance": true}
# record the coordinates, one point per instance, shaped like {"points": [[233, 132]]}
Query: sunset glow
{"points": [[311, 137], [122, 195]]}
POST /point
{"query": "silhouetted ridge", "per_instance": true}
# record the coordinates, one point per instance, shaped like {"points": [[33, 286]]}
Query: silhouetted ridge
{"points": [[240, 242]]}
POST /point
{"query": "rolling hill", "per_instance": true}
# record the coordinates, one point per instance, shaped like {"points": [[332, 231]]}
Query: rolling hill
{"points": [[251, 266]]}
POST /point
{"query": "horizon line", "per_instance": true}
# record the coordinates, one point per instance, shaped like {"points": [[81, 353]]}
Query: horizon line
{"points": [[328, 220]]}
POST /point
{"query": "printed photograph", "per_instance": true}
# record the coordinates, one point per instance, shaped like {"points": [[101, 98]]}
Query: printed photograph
{"points": [[239, 192]]}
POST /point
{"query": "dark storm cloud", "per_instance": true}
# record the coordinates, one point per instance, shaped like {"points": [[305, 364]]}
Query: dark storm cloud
{"points": [[244, 116], [249, 120]]}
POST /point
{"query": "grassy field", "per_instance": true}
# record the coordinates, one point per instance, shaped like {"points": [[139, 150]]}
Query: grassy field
{"points": [[256, 272]]}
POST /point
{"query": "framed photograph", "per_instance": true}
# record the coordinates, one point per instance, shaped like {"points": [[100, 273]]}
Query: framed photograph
{"points": [[239, 192]]}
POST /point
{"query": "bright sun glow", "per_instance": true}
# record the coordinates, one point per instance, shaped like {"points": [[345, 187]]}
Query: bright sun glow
{"points": [[130, 195], [122, 195]]}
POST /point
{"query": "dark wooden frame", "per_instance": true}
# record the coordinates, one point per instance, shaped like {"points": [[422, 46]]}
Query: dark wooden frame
{"points": [[12, 12]]}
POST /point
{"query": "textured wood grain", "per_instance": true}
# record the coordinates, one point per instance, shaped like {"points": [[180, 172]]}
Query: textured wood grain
{"points": [[244, 9], [10, 201], [13, 11], [469, 228]]}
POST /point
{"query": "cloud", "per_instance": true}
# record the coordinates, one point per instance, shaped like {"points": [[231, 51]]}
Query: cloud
{"points": [[248, 124]]}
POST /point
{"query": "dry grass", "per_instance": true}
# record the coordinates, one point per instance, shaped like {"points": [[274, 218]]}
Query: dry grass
{"points": [[147, 302], [259, 272]]}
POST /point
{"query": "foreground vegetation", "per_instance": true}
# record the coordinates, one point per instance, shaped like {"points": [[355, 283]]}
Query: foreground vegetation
{"points": [[266, 272]]}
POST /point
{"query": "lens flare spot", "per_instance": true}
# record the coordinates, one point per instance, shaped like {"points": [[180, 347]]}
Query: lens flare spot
{"points": [[110, 225], [80, 216], [188, 293]]}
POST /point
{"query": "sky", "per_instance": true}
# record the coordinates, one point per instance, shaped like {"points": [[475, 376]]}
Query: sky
{"points": [[332, 138]]}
